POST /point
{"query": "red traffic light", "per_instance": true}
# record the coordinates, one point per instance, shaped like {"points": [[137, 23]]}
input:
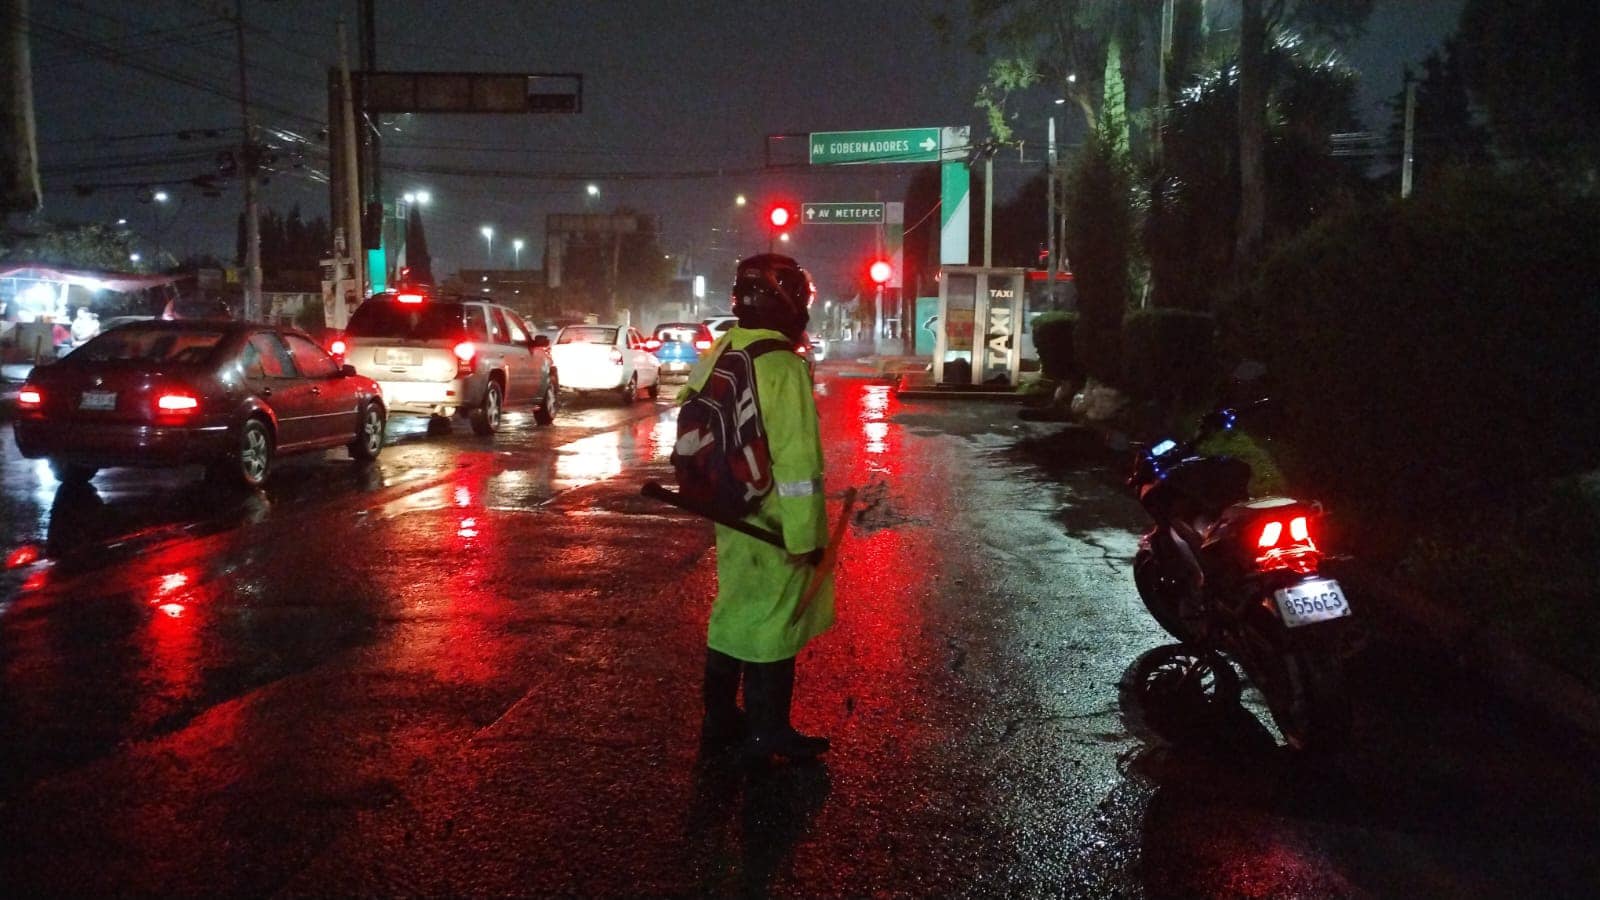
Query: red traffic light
{"points": [[780, 216], [880, 272]]}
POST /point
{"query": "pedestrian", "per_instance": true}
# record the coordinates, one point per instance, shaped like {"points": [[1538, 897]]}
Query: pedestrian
{"points": [[755, 630]]}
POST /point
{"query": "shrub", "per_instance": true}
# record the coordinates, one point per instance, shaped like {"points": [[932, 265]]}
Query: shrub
{"points": [[1168, 355], [1425, 352], [1099, 237], [1052, 338]]}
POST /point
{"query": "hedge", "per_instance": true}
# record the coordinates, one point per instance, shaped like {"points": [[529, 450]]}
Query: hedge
{"points": [[1052, 338], [1429, 351], [1169, 355]]}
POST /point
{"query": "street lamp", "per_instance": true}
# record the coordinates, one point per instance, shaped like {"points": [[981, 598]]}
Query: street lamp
{"points": [[594, 190], [488, 236], [516, 253], [739, 200], [160, 197]]}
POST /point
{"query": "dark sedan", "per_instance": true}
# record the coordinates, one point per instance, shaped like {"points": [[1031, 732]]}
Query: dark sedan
{"points": [[229, 395]]}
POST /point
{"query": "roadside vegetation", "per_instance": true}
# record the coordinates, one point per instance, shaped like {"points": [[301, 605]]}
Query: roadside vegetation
{"points": [[1432, 359]]}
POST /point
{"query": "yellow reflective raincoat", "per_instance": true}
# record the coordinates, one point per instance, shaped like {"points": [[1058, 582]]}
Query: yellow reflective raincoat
{"points": [[759, 585]]}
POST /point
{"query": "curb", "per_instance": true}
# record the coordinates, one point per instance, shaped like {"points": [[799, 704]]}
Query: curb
{"points": [[1537, 684]]}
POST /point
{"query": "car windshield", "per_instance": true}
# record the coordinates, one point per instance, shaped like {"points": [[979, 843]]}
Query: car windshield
{"points": [[411, 321], [677, 333], [135, 343], [588, 334]]}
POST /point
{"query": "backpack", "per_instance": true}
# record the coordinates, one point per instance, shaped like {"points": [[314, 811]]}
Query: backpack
{"points": [[721, 456]]}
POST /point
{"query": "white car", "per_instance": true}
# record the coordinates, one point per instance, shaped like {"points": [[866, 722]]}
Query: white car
{"points": [[606, 358]]}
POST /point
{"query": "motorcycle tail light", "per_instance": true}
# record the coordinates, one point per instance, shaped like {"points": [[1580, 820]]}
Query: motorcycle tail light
{"points": [[1271, 533], [1298, 553], [337, 348]]}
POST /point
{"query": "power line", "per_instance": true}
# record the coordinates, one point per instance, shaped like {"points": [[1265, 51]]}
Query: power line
{"points": [[98, 50]]}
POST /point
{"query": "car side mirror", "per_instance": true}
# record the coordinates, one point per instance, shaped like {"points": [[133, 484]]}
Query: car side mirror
{"points": [[541, 340], [347, 370]]}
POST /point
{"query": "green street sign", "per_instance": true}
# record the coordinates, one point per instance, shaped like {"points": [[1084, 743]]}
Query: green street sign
{"points": [[896, 145], [841, 213]]}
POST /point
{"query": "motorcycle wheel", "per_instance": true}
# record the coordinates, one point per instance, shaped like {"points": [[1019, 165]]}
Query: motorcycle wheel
{"points": [[1306, 695], [1187, 676], [1161, 594]]}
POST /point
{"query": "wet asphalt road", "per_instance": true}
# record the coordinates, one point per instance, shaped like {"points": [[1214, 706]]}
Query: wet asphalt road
{"points": [[474, 668]]}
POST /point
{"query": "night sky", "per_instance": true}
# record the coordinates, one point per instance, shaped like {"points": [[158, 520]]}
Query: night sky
{"points": [[675, 91]]}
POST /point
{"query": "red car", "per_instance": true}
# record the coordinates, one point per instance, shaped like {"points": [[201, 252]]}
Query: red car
{"points": [[230, 395]]}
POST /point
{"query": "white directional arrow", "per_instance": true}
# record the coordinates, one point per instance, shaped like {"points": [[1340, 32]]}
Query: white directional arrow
{"points": [[811, 212], [929, 145]]}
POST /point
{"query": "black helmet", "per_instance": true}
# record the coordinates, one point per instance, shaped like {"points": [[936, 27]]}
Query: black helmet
{"points": [[772, 291]]}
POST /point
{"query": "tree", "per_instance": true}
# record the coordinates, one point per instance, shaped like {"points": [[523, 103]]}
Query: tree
{"points": [[1099, 237], [1259, 24], [75, 247], [1448, 133], [1061, 45], [1190, 226], [1530, 65]]}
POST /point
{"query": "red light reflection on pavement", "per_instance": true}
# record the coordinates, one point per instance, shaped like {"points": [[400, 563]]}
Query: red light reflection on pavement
{"points": [[171, 639]]}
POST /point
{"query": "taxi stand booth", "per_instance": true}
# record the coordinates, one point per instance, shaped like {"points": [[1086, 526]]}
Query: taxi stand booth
{"points": [[978, 335]]}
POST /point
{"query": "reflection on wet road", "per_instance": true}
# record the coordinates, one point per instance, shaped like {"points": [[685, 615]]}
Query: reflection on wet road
{"points": [[474, 669]]}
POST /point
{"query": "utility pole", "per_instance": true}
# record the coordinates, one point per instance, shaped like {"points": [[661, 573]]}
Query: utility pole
{"points": [[252, 160], [988, 204], [1050, 202], [1163, 95], [352, 186], [1411, 133]]}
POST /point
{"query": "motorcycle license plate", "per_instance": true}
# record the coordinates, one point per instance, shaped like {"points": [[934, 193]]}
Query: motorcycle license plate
{"points": [[1312, 601]]}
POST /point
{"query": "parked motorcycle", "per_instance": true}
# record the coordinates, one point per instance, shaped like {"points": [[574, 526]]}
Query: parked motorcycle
{"points": [[1231, 575]]}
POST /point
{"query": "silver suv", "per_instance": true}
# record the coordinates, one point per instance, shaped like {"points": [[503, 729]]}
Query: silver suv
{"points": [[442, 356]]}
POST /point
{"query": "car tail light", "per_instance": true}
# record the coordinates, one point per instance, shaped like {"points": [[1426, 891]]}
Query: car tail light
{"points": [[337, 348], [177, 402], [176, 405], [616, 356], [466, 358], [30, 397], [702, 345], [410, 298], [652, 344]]}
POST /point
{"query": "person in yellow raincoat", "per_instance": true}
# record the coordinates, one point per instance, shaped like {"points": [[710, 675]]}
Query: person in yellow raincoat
{"points": [[753, 631]]}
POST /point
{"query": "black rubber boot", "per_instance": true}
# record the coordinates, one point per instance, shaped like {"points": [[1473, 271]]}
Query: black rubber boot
{"points": [[724, 724], [769, 691]]}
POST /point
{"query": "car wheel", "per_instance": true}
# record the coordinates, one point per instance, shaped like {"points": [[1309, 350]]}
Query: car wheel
{"points": [[252, 460], [369, 437], [486, 418], [630, 391], [655, 388], [545, 412], [438, 425], [72, 473]]}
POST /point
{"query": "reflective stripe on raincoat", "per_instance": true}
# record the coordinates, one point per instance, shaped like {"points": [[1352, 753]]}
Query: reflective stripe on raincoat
{"points": [[758, 585]]}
